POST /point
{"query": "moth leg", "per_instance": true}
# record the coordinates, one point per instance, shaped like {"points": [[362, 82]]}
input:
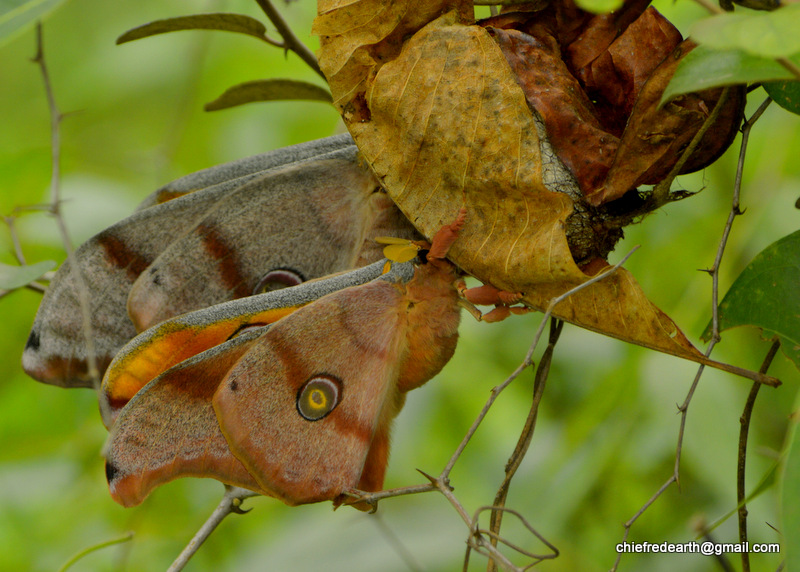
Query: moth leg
{"points": [[500, 313], [470, 307], [483, 295], [486, 295]]}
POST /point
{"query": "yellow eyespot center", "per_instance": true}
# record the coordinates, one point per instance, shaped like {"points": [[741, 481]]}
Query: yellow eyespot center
{"points": [[317, 399]]}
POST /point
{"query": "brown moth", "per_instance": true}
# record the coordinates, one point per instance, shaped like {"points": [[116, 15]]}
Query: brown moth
{"points": [[252, 225], [182, 337], [300, 409]]}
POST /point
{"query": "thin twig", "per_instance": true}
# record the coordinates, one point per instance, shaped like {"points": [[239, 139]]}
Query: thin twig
{"points": [[124, 538], [290, 40], [721, 559], [55, 210], [789, 65], [396, 544], [495, 536], [12, 231], [231, 502], [477, 539], [528, 361], [35, 286], [524, 441], [734, 212], [744, 429], [660, 195], [714, 271]]}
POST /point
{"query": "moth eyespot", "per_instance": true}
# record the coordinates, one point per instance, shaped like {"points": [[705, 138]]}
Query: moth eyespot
{"points": [[278, 279], [319, 396]]}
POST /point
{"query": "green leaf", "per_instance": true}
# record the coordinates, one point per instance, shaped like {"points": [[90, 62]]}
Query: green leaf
{"points": [[18, 15], [218, 21], [790, 495], [17, 276], [766, 295], [704, 68], [768, 34], [269, 90], [785, 93], [599, 6]]}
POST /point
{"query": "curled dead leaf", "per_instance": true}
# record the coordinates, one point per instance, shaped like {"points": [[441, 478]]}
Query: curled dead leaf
{"points": [[441, 117], [597, 85]]}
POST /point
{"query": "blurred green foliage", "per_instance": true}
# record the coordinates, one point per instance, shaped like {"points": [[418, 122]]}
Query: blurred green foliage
{"points": [[607, 429]]}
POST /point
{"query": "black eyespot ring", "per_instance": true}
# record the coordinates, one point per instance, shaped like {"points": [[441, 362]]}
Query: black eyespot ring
{"points": [[277, 279], [318, 397]]}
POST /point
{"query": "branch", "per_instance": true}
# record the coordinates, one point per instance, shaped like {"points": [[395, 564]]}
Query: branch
{"points": [[20, 256], [528, 361], [55, 210], [124, 538], [477, 539], [231, 502], [536, 558], [714, 271], [734, 212], [660, 195], [399, 548], [742, 456], [290, 40], [525, 437]]}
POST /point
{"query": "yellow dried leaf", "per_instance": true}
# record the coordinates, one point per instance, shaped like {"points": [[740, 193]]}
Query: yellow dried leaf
{"points": [[438, 115]]}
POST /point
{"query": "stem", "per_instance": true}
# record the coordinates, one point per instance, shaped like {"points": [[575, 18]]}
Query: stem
{"points": [[528, 358], [124, 538], [742, 456], [526, 435], [290, 40], [55, 210], [715, 337], [477, 540], [231, 501], [660, 194], [734, 212]]}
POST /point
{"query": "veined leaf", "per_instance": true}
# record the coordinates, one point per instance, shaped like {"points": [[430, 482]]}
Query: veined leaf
{"points": [[269, 90], [707, 67], [238, 23], [768, 34], [786, 94], [17, 276], [766, 295]]}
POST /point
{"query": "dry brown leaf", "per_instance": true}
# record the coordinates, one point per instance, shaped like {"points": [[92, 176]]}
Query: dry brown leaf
{"points": [[577, 136], [616, 76], [585, 76], [444, 123], [656, 136]]}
